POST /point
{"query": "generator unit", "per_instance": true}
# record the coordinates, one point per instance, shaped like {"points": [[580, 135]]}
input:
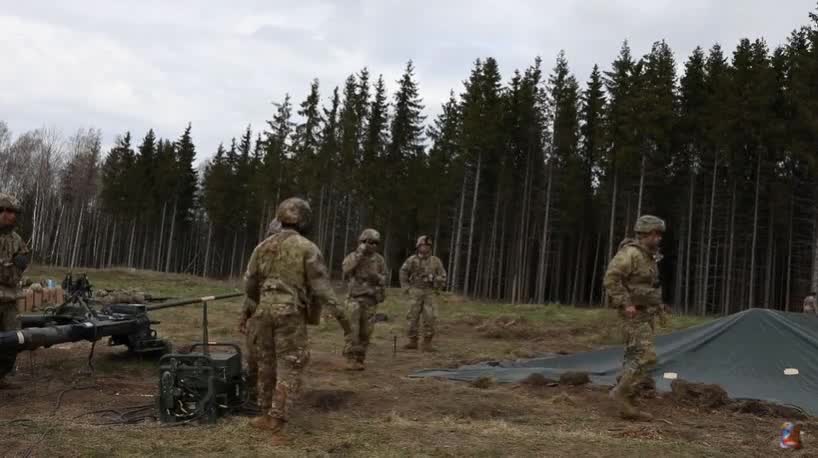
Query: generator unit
{"points": [[202, 385]]}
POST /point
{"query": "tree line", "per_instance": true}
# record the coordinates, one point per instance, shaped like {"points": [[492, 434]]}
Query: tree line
{"points": [[526, 182]]}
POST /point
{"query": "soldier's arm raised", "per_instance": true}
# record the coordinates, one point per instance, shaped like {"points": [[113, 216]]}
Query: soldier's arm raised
{"points": [[350, 263], [619, 269], [321, 289]]}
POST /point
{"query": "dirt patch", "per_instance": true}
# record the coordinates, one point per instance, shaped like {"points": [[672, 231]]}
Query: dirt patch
{"points": [[328, 400], [508, 327], [483, 383], [575, 378], [538, 381], [766, 409], [698, 394]]}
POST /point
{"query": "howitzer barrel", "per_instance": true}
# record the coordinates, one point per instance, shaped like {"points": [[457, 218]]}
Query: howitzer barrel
{"points": [[197, 300], [33, 338]]}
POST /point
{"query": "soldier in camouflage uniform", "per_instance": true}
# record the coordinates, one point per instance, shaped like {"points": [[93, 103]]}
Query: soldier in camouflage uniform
{"points": [[14, 258], [632, 283], [286, 285], [366, 271], [252, 330], [422, 276]]}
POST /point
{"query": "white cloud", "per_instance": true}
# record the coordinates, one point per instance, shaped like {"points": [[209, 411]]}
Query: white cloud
{"points": [[135, 65]]}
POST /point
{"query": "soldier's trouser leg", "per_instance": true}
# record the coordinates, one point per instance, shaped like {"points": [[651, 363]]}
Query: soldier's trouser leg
{"points": [[413, 317], [429, 316], [290, 353], [640, 352], [253, 341], [8, 322], [367, 326]]}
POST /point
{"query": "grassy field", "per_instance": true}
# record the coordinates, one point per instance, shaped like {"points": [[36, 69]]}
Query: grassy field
{"points": [[380, 412]]}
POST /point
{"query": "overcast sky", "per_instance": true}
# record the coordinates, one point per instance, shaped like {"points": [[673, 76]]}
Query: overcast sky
{"points": [[132, 65]]}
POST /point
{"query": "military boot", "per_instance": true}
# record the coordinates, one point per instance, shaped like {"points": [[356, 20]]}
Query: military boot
{"points": [[427, 345], [627, 410], [412, 345], [268, 423]]}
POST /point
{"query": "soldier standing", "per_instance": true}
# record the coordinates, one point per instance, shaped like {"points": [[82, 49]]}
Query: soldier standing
{"points": [[252, 330], [632, 283], [14, 256], [422, 276], [366, 271], [286, 285], [809, 303]]}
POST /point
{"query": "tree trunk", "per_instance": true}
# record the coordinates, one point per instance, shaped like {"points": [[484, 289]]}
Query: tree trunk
{"points": [[455, 270], [471, 222], [706, 282], [131, 247], [769, 273], [158, 259], [611, 228], [208, 244], [595, 268], [731, 244], [641, 185], [543, 276], [689, 250], [751, 291], [75, 251], [171, 236], [788, 290]]}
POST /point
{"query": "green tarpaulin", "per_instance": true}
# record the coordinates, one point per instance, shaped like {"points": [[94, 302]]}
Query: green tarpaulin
{"points": [[749, 354]]}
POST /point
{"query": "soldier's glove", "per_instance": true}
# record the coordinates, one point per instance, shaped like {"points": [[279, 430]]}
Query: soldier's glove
{"points": [[21, 261]]}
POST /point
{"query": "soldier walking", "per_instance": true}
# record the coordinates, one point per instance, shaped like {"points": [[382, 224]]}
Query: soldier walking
{"points": [[632, 283], [422, 276], [366, 271], [14, 258], [286, 284]]}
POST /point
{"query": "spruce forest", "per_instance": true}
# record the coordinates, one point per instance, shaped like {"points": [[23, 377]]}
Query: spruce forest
{"points": [[527, 182]]}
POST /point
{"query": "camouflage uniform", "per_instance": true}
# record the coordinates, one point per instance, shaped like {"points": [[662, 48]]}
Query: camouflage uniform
{"points": [[252, 329], [285, 277], [14, 254], [422, 277], [632, 278], [366, 272], [809, 304]]}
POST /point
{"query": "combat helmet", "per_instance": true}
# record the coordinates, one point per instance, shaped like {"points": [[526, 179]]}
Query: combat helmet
{"points": [[9, 201], [649, 223], [423, 240], [370, 234], [295, 212]]}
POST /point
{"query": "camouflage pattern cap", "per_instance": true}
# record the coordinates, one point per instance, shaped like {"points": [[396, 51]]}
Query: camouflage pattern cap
{"points": [[294, 212], [649, 223], [423, 240], [370, 234], [9, 201]]}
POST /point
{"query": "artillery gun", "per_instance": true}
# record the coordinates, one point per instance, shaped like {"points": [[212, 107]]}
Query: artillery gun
{"points": [[78, 318]]}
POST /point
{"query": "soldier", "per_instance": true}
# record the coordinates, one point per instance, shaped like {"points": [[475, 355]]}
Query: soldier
{"points": [[286, 285], [809, 303], [252, 332], [14, 256], [366, 271], [632, 283], [422, 276]]}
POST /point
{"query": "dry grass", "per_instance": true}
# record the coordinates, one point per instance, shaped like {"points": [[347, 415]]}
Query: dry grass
{"points": [[379, 412]]}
